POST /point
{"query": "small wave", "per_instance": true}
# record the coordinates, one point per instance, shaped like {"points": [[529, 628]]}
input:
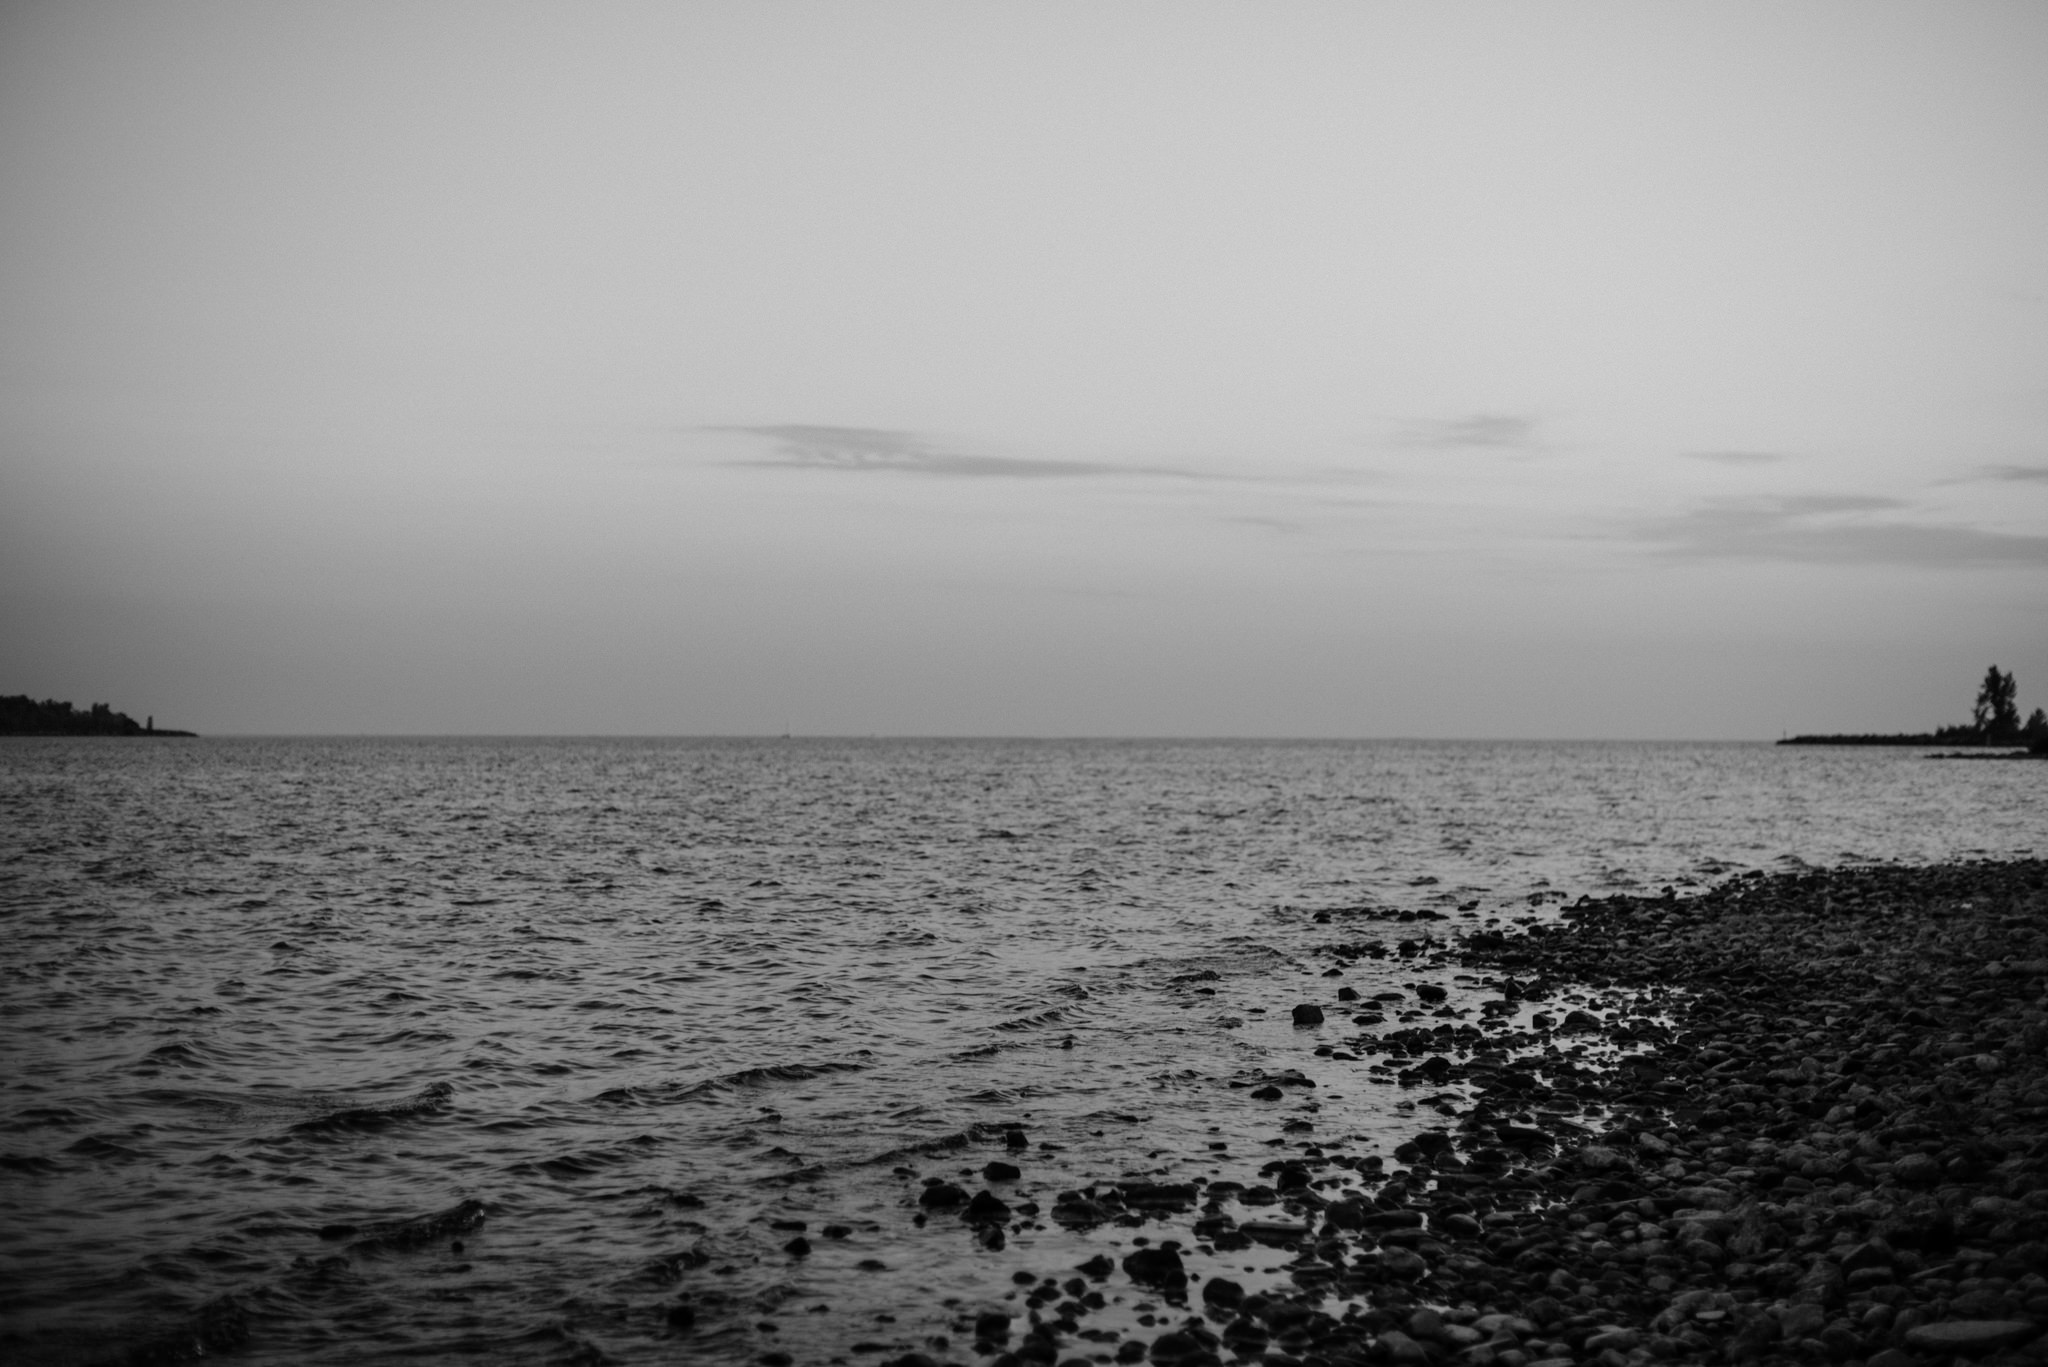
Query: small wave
{"points": [[766, 1075], [1242, 954], [588, 1163], [1006, 1096], [27, 1162], [1113, 1118], [1051, 1016], [668, 1269], [430, 1098], [219, 1326], [810, 1172], [532, 934], [980, 1132], [92, 1146], [459, 1218], [38, 1117], [411, 1036]]}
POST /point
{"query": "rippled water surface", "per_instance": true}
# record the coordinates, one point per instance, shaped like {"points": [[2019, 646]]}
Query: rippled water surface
{"points": [[266, 1000]]}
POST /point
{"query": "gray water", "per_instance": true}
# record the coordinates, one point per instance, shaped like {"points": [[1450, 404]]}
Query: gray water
{"points": [[642, 999]]}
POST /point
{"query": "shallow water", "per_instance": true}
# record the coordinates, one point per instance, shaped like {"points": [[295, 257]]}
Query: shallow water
{"points": [[642, 999]]}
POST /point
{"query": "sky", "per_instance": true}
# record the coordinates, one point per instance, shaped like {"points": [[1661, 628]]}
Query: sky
{"points": [[1354, 370]]}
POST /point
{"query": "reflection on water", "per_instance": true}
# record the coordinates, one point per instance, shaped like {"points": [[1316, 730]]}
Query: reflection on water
{"points": [[270, 1001]]}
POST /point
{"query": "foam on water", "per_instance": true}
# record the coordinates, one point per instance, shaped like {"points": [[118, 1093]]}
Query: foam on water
{"points": [[490, 1047]]}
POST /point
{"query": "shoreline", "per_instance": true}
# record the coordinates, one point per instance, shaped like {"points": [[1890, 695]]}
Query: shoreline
{"points": [[1826, 1140], [1797, 1118]]}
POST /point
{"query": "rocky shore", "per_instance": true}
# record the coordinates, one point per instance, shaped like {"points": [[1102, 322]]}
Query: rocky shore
{"points": [[1797, 1118]]}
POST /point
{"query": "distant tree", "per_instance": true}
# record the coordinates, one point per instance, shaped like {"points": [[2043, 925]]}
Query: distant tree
{"points": [[2036, 728], [1996, 715]]}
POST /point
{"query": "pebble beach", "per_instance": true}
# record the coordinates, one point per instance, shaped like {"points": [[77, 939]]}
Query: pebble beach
{"points": [[1825, 1140]]}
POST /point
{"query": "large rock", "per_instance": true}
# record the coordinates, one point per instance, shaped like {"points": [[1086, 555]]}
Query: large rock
{"points": [[1400, 1262], [1164, 1195], [942, 1195], [1156, 1267], [1801, 1321], [1969, 1336], [987, 1207], [1308, 1013], [1917, 1169], [1223, 1293], [1395, 1346]]}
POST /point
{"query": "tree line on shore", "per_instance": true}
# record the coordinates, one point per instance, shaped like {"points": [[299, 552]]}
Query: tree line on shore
{"points": [[21, 715], [1994, 720]]}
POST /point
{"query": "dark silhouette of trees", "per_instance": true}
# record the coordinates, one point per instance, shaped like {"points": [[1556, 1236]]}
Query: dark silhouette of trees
{"points": [[1995, 720], [21, 715], [1997, 716]]}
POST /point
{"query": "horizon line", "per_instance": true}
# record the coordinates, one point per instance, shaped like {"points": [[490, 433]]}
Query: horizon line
{"points": [[1121, 738]]}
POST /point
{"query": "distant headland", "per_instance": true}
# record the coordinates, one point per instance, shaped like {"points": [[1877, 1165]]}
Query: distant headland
{"points": [[1994, 722], [21, 715]]}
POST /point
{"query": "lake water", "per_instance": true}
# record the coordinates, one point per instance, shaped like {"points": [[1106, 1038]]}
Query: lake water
{"points": [[642, 1000]]}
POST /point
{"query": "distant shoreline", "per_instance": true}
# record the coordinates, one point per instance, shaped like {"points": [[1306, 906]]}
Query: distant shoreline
{"points": [[1923, 739], [161, 731], [21, 715]]}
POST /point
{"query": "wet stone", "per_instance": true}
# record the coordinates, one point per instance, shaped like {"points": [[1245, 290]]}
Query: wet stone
{"points": [[1167, 1195], [986, 1207], [1159, 1266], [942, 1195], [1222, 1293]]}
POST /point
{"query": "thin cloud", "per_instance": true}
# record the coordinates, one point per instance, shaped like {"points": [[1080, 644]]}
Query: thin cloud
{"points": [[1481, 430], [1806, 505], [1736, 457], [2021, 474], [806, 447], [1281, 525], [1832, 529]]}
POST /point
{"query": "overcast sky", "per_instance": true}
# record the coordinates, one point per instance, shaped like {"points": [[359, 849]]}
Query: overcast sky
{"points": [[1537, 370]]}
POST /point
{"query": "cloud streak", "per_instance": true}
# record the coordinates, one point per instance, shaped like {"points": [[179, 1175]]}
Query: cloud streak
{"points": [[804, 446], [1499, 431], [1829, 529], [1736, 457]]}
